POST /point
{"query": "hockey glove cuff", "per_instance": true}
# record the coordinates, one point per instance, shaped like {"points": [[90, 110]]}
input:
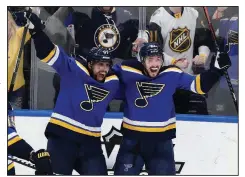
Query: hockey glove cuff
{"points": [[221, 61], [36, 24], [41, 159]]}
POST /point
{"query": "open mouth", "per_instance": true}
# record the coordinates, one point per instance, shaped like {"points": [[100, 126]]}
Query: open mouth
{"points": [[101, 75], [154, 69]]}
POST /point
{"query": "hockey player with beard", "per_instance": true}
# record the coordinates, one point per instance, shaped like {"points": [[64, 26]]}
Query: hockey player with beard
{"points": [[86, 88], [112, 28], [20, 148], [149, 122]]}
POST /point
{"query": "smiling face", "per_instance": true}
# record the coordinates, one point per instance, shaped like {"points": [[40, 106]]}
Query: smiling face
{"points": [[153, 65], [100, 70]]}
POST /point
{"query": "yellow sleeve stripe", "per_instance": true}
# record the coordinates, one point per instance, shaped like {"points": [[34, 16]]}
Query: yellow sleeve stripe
{"points": [[10, 166], [130, 69], [50, 55], [173, 61], [14, 140], [82, 67], [198, 85], [174, 70], [113, 77]]}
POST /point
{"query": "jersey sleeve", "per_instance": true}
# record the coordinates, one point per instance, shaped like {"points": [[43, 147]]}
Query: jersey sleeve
{"points": [[13, 137], [200, 83], [190, 82], [118, 70], [55, 56], [168, 60], [59, 60], [17, 146], [120, 93], [155, 27], [156, 17]]}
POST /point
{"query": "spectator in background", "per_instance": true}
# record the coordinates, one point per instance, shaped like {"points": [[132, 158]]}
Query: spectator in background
{"points": [[14, 40], [113, 28], [174, 28]]}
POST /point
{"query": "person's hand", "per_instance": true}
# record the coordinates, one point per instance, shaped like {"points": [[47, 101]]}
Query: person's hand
{"points": [[137, 44], [220, 61], [36, 23], [219, 12], [199, 60], [182, 63], [41, 159]]}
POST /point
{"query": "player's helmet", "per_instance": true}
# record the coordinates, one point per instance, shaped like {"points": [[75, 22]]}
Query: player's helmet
{"points": [[150, 49], [99, 55]]}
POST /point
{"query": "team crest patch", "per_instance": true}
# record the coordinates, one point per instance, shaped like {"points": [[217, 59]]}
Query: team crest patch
{"points": [[180, 40], [95, 95], [147, 90], [232, 39], [107, 36]]}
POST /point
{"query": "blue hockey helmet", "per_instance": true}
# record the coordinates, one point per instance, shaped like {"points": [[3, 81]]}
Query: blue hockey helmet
{"points": [[150, 49], [99, 55]]}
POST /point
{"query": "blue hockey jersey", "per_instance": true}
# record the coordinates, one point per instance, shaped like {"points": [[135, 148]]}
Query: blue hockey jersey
{"points": [[13, 137], [228, 29], [149, 107], [16, 145], [82, 101]]}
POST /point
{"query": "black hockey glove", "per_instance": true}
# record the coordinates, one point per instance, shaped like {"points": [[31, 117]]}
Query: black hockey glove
{"points": [[36, 24], [221, 61], [41, 159]]}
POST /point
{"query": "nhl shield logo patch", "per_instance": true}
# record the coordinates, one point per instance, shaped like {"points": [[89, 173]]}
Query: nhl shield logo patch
{"points": [[107, 36], [180, 40]]}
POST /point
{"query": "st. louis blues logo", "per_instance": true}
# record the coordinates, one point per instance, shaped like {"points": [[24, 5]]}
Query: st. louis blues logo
{"points": [[95, 95], [147, 90], [232, 39], [107, 36]]}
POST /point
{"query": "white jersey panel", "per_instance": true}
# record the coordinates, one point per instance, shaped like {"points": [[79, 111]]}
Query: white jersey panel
{"points": [[178, 33]]}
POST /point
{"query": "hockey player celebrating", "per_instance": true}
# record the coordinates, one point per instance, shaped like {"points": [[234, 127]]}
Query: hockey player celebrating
{"points": [[149, 122], [21, 149], [86, 88]]}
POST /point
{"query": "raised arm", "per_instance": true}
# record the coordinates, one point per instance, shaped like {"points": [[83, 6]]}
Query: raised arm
{"points": [[48, 52], [203, 82]]}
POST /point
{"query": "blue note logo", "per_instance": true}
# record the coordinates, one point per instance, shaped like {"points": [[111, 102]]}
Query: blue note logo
{"points": [[147, 90], [95, 95]]}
